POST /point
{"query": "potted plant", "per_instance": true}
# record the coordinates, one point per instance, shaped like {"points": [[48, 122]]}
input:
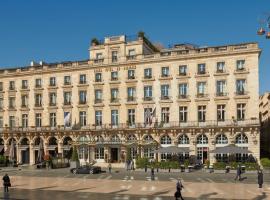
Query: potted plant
{"points": [[74, 163]]}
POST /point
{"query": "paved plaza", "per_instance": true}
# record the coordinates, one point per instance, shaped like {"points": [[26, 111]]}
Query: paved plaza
{"points": [[60, 184]]}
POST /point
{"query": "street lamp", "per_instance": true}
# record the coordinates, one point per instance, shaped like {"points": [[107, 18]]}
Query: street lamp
{"points": [[265, 22]]}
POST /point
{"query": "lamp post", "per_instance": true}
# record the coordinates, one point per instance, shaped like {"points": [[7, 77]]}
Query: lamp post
{"points": [[264, 26]]}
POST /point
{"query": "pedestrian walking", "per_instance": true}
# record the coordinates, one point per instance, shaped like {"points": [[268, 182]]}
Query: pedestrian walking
{"points": [[260, 178], [6, 182], [238, 173], [179, 187], [110, 168], [152, 174], [145, 168]]}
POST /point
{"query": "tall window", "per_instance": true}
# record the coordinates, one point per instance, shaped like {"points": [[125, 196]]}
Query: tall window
{"points": [[241, 111], [114, 56], [38, 100], [11, 102], [240, 86], [12, 123], [148, 152], [1, 86], [147, 73], [24, 84], [131, 54], [221, 112], [114, 117], [241, 139], [1, 103], [99, 153], [182, 70], [24, 120], [38, 83], [67, 80], [183, 113], [67, 98], [201, 68], [98, 96], [11, 85], [83, 118], [52, 81], [201, 88], [165, 71], [82, 96], [183, 139], [38, 120], [52, 96], [114, 76], [82, 78], [53, 119], [222, 139], [147, 115], [24, 100], [131, 116], [220, 87], [220, 67], [202, 139], [183, 90], [164, 91], [1, 122], [240, 64], [114, 95], [165, 140], [131, 74], [201, 113], [98, 117], [148, 92], [165, 114], [98, 77], [131, 93]]}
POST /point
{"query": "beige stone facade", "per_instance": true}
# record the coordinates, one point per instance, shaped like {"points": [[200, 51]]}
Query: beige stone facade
{"points": [[187, 96]]}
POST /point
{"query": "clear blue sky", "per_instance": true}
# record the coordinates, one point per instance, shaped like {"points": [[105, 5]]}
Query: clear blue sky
{"points": [[61, 30]]}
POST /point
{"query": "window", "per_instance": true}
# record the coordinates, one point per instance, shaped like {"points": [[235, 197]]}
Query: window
{"points": [[147, 73], [240, 65], [114, 117], [98, 117], [38, 120], [1, 86], [38, 100], [98, 96], [1, 103], [24, 84], [241, 139], [131, 52], [221, 112], [183, 90], [165, 72], [99, 153], [114, 95], [165, 140], [11, 85], [182, 70], [183, 139], [67, 98], [240, 86], [131, 74], [183, 113], [67, 119], [12, 121], [201, 113], [38, 83], [220, 67], [131, 93], [165, 114], [166, 156], [147, 93], [52, 81], [83, 118], [52, 96], [131, 117], [11, 102], [99, 56], [220, 87], [201, 87], [24, 120], [114, 76], [201, 68], [241, 111], [82, 78], [67, 80], [52, 119], [114, 56], [148, 152], [82, 97], [98, 77], [1, 122], [221, 139], [202, 139], [131, 138], [148, 115], [164, 91], [24, 100]]}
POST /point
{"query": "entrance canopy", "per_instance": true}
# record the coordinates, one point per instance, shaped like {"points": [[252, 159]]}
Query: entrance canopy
{"points": [[173, 149], [230, 149]]}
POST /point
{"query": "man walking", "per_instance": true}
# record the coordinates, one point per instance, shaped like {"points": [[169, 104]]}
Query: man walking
{"points": [[238, 173], [260, 178], [6, 182], [110, 168], [152, 174], [179, 187]]}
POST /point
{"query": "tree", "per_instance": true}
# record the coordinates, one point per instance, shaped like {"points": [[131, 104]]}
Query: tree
{"points": [[74, 156], [129, 154]]}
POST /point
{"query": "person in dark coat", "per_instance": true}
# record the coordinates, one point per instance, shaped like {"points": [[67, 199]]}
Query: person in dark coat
{"points": [[238, 173], [179, 187], [260, 178], [6, 182], [152, 174], [110, 168]]}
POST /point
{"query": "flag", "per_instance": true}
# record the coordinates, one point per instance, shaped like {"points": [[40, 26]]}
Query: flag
{"points": [[147, 117], [67, 119]]}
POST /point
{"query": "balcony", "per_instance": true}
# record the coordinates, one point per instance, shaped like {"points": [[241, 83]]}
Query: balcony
{"points": [[98, 101], [241, 95], [165, 97], [67, 103], [24, 87], [114, 79], [202, 97], [241, 71], [221, 94], [165, 77], [114, 100], [82, 102], [98, 60], [221, 72], [131, 99], [183, 97], [52, 104], [202, 74], [148, 98], [131, 57]]}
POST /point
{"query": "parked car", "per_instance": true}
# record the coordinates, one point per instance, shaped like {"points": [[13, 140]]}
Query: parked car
{"points": [[86, 170]]}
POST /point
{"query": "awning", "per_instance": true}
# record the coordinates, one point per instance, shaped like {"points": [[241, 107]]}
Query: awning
{"points": [[173, 149], [230, 149]]}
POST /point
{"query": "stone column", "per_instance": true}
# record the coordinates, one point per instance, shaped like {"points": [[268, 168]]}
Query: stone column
{"points": [[92, 153], [31, 154]]}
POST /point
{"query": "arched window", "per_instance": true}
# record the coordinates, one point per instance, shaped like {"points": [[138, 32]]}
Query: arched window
{"points": [[148, 138], [99, 138], [24, 141], [183, 139], [221, 139], [83, 139], [67, 140], [52, 141], [241, 139], [202, 139], [166, 140], [37, 141], [12, 139], [115, 138], [131, 138]]}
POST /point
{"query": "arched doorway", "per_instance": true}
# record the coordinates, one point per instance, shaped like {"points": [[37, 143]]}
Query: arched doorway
{"points": [[24, 151], [67, 150], [83, 149], [202, 148], [52, 147], [115, 143]]}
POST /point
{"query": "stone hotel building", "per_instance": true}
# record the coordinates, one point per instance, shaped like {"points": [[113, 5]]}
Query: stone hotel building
{"points": [[132, 95]]}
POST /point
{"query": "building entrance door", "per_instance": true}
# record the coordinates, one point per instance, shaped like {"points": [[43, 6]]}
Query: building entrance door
{"points": [[202, 154], [25, 156], [114, 154]]}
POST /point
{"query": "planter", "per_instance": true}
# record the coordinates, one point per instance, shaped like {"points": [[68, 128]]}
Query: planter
{"points": [[74, 164]]}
